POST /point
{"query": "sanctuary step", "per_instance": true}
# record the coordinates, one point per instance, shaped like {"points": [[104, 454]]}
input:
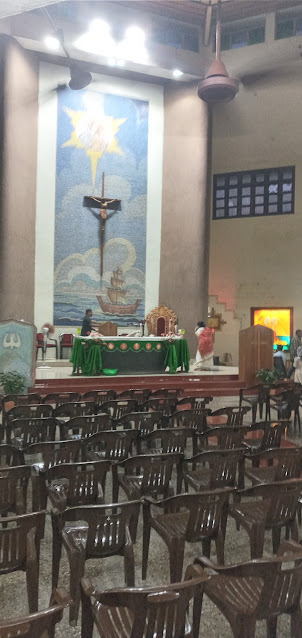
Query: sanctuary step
{"points": [[201, 385]]}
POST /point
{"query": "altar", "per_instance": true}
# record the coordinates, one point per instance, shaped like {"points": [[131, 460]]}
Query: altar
{"points": [[129, 355]]}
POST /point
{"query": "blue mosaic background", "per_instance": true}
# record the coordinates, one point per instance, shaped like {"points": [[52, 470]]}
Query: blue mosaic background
{"points": [[108, 133]]}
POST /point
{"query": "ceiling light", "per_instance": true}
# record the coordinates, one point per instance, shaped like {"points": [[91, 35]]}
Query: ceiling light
{"points": [[99, 26], [52, 43], [111, 61], [135, 33], [120, 62], [177, 73]]}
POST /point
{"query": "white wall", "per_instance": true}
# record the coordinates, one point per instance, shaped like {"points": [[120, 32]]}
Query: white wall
{"points": [[50, 77]]}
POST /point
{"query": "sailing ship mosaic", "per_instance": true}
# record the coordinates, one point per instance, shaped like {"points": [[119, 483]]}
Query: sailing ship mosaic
{"points": [[100, 133]]}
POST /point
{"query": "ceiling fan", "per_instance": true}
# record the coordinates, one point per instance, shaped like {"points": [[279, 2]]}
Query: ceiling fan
{"points": [[79, 78], [217, 86]]}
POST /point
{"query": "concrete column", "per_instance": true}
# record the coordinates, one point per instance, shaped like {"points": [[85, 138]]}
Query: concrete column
{"points": [[18, 141], [184, 266]]}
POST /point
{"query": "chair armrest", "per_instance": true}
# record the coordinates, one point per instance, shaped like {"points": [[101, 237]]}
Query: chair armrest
{"points": [[51, 339], [60, 596], [57, 497], [75, 539], [149, 500], [87, 587], [20, 505], [289, 547], [31, 552]]}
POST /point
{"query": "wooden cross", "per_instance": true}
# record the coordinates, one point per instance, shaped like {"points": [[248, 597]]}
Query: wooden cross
{"points": [[104, 204]]}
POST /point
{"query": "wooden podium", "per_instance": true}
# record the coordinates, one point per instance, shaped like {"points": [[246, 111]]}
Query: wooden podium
{"points": [[255, 352]]}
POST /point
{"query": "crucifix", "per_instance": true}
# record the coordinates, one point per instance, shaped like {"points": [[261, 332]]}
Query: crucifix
{"points": [[103, 204]]}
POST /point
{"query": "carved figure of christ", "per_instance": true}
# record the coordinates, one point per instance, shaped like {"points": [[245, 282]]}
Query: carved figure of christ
{"points": [[104, 204]]}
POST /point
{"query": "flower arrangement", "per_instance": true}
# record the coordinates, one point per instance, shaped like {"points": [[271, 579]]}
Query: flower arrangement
{"points": [[268, 376]]}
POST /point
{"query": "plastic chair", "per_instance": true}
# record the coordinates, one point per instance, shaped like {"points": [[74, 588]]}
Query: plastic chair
{"points": [[40, 345], [82, 427], [116, 408], [139, 395], [272, 436], [160, 612], [66, 341], [144, 422], [165, 440], [99, 396], [22, 535], [40, 624], [194, 402], [277, 509], [256, 396], [234, 415], [257, 590], [274, 465], [24, 432], [215, 469], [58, 398], [186, 518], [13, 489], [74, 484], [196, 419], [35, 411], [73, 408], [114, 445], [10, 456], [105, 533], [166, 405]]}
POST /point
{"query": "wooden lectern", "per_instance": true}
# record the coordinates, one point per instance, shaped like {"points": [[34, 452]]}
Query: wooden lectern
{"points": [[255, 352]]}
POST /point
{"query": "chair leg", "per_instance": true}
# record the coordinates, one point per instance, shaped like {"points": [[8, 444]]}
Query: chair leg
{"points": [[87, 617], [133, 526], [271, 627], [219, 541], [77, 569], [257, 540], [32, 580], [296, 623], [244, 627], [129, 565], [176, 549], [146, 539], [56, 553], [276, 535]]}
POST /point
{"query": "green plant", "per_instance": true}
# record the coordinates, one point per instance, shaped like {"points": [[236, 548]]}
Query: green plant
{"points": [[12, 382], [268, 376]]}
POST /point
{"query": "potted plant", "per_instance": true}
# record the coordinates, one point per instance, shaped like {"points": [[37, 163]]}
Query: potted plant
{"points": [[267, 376], [12, 383]]}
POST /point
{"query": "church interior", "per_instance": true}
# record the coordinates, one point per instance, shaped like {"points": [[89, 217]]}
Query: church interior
{"points": [[150, 341]]}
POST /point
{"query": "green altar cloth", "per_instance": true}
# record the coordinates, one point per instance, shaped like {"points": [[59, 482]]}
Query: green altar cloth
{"points": [[88, 355]]}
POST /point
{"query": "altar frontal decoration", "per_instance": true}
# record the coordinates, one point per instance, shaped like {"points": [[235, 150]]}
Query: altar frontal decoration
{"points": [[280, 320], [17, 349]]}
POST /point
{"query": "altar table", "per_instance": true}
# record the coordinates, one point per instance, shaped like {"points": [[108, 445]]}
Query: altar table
{"points": [[129, 355]]}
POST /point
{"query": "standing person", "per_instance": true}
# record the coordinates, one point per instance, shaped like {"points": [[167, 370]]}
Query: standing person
{"points": [[204, 354], [298, 366], [294, 345], [86, 324], [279, 353]]}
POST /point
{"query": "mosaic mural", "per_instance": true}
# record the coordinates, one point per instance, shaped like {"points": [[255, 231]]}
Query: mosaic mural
{"points": [[100, 133]]}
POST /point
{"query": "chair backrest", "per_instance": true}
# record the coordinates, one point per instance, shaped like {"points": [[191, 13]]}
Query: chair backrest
{"points": [[23, 432], [79, 483], [49, 453], [165, 394], [36, 411], [196, 419], [40, 624], [282, 497], [20, 399], [223, 465], [155, 471], [234, 414], [118, 407], [13, 489], [272, 433], [59, 398], [143, 421], [114, 445], [161, 320], [139, 395], [152, 611], [285, 461], [106, 525], [224, 437], [74, 408], [10, 456], [165, 405], [66, 339], [108, 329], [14, 537], [99, 396], [167, 439], [40, 339], [194, 402], [86, 426]]}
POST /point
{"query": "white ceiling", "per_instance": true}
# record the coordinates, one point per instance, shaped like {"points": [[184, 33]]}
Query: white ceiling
{"points": [[11, 7]]}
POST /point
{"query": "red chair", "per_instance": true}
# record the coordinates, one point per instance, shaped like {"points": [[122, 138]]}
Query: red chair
{"points": [[66, 341], [40, 344], [54, 344]]}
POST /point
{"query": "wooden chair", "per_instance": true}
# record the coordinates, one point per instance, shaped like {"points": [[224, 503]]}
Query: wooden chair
{"points": [[274, 465], [105, 533], [144, 422], [272, 436], [161, 320], [81, 427], [277, 509], [166, 405], [72, 409], [13, 489], [233, 416], [40, 624], [212, 469], [24, 432], [75, 484], [118, 407], [20, 538], [186, 518], [146, 475], [66, 340], [196, 419], [160, 612], [257, 590], [99, 396], [59, 398]]}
